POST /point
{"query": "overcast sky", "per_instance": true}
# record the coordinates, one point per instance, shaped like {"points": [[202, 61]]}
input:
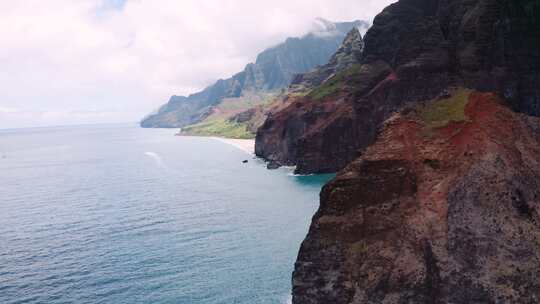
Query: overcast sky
{"points": [[91, 61]]}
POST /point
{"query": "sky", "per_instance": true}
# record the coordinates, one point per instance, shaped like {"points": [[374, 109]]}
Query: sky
{"points": [[65, 62]]}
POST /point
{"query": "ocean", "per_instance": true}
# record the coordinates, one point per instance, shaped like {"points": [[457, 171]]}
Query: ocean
{"points": [[120, 214]]}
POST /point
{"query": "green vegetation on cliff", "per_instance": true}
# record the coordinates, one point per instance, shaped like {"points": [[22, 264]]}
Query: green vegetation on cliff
{"points": [[232, 118], [442, 112], [219, 128], [335, 84], [250, 100]]}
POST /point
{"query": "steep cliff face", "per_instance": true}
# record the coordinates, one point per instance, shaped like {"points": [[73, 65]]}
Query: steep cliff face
{"points": [[272, 71], [414, 51], [347, 55], [277, 138], [436, 129], [443, 208]]}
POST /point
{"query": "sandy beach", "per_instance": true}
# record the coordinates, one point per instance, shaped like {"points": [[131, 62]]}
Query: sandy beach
{"points": [[246, 145]]}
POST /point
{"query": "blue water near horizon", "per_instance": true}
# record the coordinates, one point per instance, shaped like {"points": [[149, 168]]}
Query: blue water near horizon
{"points": [[119, 214]]}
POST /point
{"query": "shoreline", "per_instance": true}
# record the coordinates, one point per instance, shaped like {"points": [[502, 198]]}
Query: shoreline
{"points": [[246, 145]]}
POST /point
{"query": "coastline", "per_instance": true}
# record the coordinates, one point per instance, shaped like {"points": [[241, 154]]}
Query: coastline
{"points": [[246, 145]]}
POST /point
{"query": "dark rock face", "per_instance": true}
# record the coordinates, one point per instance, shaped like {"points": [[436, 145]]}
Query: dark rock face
{"points": [[415, 51], [244, 116], [273, 70], [347, 55], [437, 210], [441, 202], [277, 140]]}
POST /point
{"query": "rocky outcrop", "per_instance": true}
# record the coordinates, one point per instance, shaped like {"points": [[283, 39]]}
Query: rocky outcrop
{"points": [[443, 208], [278, 136], [323, 131], [347, 55], [272, 71], [415, 51]]}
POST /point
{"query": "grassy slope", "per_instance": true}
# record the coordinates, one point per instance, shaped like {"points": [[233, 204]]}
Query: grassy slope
{"points": [[335, 84], [219, 128], [218, 123], [452, 109]]}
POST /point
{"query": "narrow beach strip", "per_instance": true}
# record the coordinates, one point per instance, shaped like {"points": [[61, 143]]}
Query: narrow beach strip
{"points": [[246, 145]]}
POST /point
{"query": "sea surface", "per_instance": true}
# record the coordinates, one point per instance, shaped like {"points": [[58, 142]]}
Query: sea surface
{"points": [[119, 214]]}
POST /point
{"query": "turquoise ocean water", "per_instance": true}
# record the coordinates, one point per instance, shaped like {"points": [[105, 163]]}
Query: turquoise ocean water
{"points": [[119, 214]]}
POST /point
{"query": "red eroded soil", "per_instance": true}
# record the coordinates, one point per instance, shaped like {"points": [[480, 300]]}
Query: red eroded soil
{"points": [[425, 212], [439, 155]]}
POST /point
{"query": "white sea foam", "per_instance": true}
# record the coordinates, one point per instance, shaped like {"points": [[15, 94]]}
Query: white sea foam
{"points": [[299, 175], [155, 157], [246, 145], [288, 299]]}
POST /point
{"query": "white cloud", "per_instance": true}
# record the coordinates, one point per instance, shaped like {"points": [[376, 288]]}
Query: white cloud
{"points": [[125, 59]]}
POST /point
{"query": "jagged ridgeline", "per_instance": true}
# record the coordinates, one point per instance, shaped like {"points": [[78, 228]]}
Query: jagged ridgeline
{"points": [[213, 108]]}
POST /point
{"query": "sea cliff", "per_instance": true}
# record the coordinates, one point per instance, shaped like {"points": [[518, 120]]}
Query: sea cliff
{"points": [[415, 51], [435, 135], [443, 208]]}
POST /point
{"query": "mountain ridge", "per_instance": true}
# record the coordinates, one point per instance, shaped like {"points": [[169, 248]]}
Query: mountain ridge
{"points": [[228, 120], [272, 71]]}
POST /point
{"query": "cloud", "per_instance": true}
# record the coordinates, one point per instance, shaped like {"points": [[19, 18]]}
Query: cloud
{"points": [[126, 58]]}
